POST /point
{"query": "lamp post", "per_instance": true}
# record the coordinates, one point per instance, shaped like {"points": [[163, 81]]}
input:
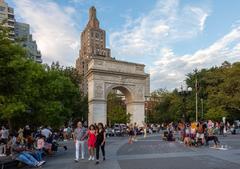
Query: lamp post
{"points": [[147, 99], [202, 107], [196, 90], [184, 92]]}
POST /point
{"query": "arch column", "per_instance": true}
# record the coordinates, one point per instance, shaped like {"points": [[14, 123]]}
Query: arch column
{"points": [[97, 112], [137, 112]]}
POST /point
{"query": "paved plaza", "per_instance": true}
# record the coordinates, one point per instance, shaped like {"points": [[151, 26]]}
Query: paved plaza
{"points": [[154, 153]]}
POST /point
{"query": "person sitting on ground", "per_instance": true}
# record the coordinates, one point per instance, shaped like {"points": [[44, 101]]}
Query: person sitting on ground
{"points": [[22, 154], [47, 133], [40, 142], [200, 133], [20, 136], [170, 136], [10, 143], [211, 137]]}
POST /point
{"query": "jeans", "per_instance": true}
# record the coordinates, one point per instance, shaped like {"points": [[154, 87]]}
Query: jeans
{"points": [[38, 154], [78, 144], [28, 159], [97, 150]]}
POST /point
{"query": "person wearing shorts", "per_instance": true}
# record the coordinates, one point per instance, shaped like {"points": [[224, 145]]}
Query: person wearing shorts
{"points": [[200, 133]]}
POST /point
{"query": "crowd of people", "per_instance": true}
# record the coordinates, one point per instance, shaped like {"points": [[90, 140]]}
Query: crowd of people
{"points": [[197, 133], [28, 146]]}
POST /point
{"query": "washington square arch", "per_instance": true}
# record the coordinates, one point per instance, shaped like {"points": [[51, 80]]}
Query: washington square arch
{"points": [[102, 73]]}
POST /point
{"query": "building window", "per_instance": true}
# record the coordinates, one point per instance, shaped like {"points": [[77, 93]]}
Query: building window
{"points": [[96, 35], [2, 8]]}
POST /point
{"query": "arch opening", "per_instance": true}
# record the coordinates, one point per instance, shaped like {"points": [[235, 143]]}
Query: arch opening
{"points": [[118, 98]]}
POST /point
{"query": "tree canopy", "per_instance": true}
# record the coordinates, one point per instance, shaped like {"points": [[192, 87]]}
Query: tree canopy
{"points": [[36, 94], [219, 89]]}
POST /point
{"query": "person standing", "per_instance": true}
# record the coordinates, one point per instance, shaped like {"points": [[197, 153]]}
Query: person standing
{"points": [[78, 135], [100, 142], [4, 133], [91, 141]]}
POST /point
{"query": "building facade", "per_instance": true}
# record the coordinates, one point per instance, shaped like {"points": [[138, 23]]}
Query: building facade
{"points": [[19, 32], [7, 17], [93, 44], [22, 34]]}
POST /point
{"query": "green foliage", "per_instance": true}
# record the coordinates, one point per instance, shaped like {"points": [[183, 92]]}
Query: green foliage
{"points": [[219, 87], [36, 94], [216, 114], [116, 110]]}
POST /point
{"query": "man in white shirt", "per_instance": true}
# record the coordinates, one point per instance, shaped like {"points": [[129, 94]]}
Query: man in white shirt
{"points": [[46, 132], [4, 138]]}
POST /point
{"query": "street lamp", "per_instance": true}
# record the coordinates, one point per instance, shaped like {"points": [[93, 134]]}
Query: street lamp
{"points": [[184, 92], [202, 107], [147, 99]]}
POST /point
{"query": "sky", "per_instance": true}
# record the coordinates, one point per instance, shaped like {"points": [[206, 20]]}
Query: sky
{"points": [[171, 37]]}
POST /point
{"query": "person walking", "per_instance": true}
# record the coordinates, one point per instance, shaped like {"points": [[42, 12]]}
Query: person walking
{"points": [[78, 135], [100, 142], [145, 130], [131, 134], [135, 128]]}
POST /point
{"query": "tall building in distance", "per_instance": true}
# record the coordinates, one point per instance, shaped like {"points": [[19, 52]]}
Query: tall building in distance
{"points": [[93, 44], [22, 34], [7, 16], [19, 31]]}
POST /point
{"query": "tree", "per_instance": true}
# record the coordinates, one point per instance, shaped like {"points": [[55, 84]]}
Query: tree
{"points": [[219, 87], [116, 110], [36, 94]]}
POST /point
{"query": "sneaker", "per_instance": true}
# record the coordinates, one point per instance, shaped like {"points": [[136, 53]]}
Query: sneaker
{"points": [[97, 162], [40, 163], [65, 148], [90, 158], [43, 162]]}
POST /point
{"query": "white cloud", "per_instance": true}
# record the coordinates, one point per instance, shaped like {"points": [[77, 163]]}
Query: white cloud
{"points": [[170, 69], [200, 15], [69, 10], [167, 23], [53, 29]]}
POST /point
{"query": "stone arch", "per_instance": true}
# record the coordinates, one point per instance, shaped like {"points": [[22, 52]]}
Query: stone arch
{"points": [[105, 75]]}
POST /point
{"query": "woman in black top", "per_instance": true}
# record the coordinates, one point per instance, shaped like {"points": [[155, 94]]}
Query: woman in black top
{"points": [[100, 142]]}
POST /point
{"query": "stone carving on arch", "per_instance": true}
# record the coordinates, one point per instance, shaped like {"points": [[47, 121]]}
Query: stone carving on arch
{"points": [[98, 90]]}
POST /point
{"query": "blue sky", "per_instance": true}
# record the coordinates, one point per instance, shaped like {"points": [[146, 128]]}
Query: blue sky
{"points": [[171, 37]]}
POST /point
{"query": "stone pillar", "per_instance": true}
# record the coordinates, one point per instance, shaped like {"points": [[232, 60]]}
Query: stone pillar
{"points": [[137, 111], [97, 112]]}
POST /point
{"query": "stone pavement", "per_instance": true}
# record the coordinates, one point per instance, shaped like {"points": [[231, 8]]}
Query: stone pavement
{"points": [[153, 153]]}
